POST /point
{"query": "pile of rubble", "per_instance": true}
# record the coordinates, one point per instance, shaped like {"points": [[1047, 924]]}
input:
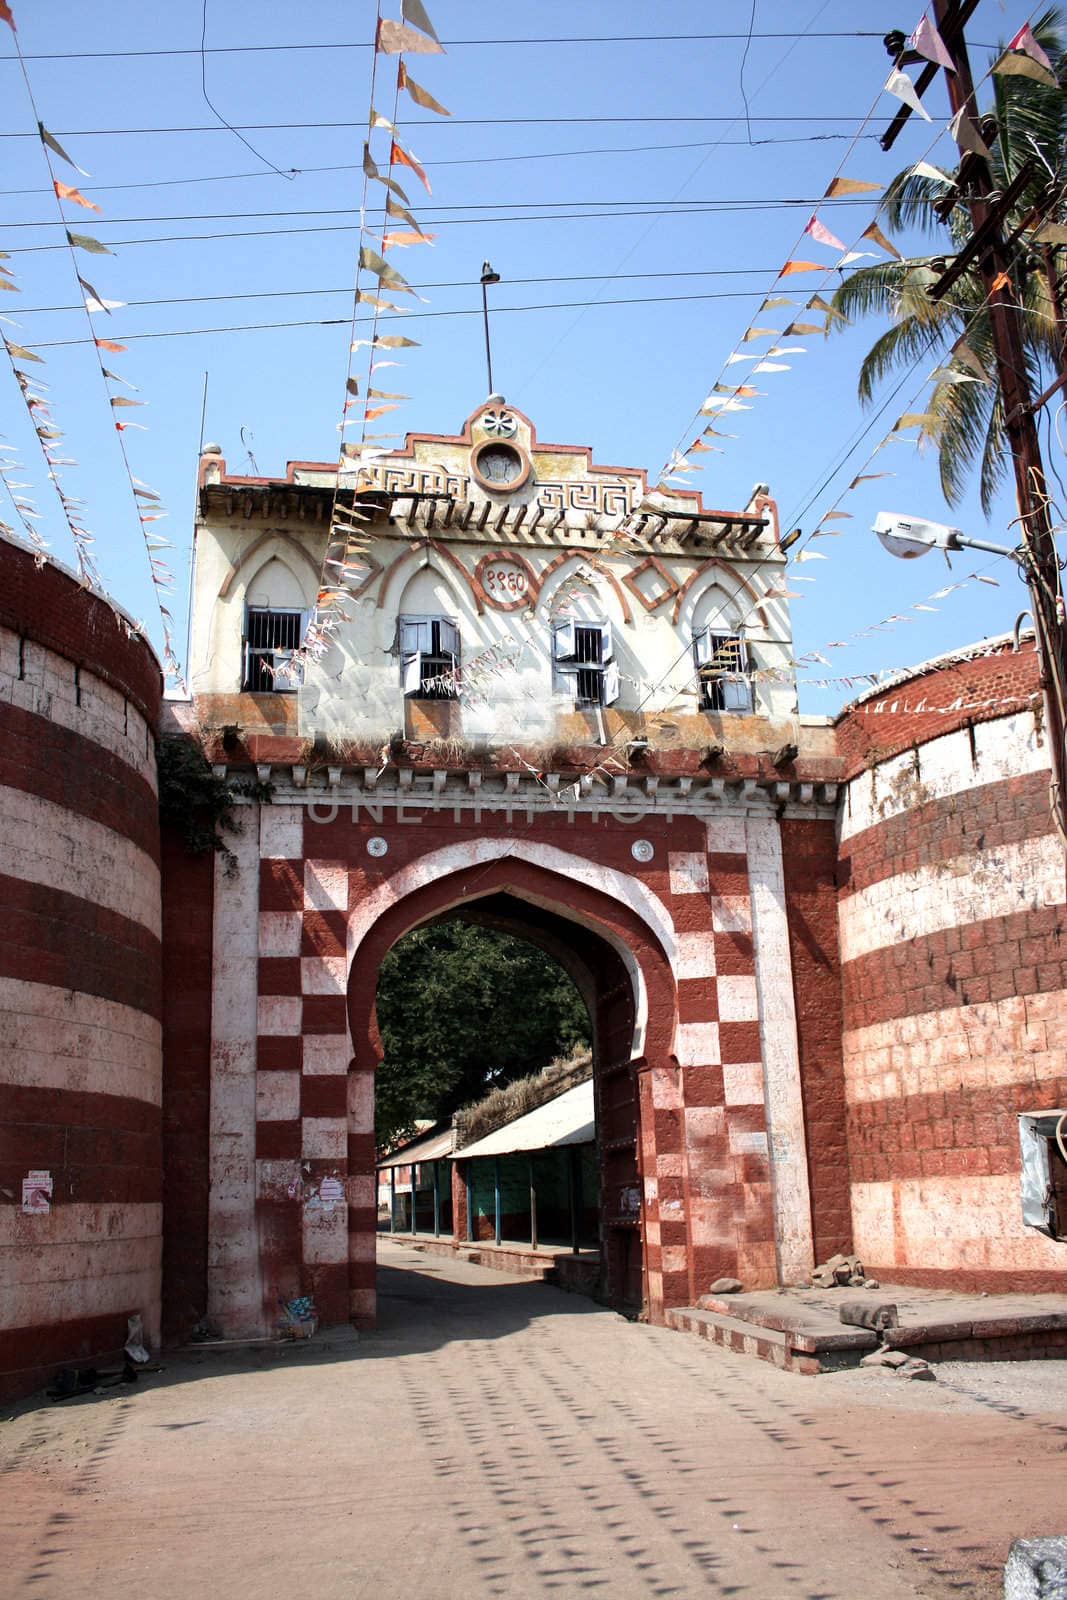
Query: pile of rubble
{"points": [[842, 1272]]}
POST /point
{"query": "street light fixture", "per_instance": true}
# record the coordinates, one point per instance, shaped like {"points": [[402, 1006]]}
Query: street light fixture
{"points": [[908, 537], [488, 276]]}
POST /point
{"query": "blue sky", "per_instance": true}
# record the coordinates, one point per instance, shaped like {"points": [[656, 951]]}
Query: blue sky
{"points": [[542, 135]]}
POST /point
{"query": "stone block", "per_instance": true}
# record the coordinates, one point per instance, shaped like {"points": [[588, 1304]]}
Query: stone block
{"points": [[1036, 1569], [875, 1314]]}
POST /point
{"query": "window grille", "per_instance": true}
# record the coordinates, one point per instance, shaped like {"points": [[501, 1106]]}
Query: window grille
{"points": [[722, 669], [582, 653], [270, 639]]}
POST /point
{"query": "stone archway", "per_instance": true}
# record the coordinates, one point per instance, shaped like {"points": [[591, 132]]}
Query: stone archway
{"points": [[627, 978]]}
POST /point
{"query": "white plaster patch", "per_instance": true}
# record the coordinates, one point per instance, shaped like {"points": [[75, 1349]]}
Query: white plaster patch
{"points": [[737, 999], [279, 1015], [79, 1222], [46, 844], [323, 974], [325, 886], [234, 1299], [669, 1165], [325, 1234], [742, 1083], [784, 1106], [666, 1088], [731, 913], [65, 1039], [949, 1224], [726, 836], [675, 1258], [967, 888], [688, 872], [1018, 1040], [277, 1096], [325, 1138], [746, 1142], [704, 1123], [326, 1054], [1006, 747], [696, 955], [281, 832], [274, 1178], [361, 1103], [696, 1044], [280, 933]]}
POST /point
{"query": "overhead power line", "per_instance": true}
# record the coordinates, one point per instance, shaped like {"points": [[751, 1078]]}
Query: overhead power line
{"points": [[417, 316], [412, 122], [451, 44], [434, 216]]}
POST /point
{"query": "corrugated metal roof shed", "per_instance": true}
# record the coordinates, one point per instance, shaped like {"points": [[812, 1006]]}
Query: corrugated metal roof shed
{"points": [[568, 1119], [428, 1149]]}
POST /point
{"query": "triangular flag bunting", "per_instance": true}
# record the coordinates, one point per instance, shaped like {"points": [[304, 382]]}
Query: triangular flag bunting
{"points": [[387, 394], [926, 41], [801, 266], [422, 97], [759, 333], [849, 186], [53, 144], [397, 154], [967, 136], [109, 344], [1010, 65], [21, 352], [901, 87], [875, 234], [394, 341], [414, 11], [5, 15], [406, 237], [65, 192], [822, 234], [1024, 40], [371, 261], [371, 169], [82, 241], [796, 328], [377, 411], [394, 38], [924, 169], [378, 121], [775, 300], [394, 209], [352, 386]]}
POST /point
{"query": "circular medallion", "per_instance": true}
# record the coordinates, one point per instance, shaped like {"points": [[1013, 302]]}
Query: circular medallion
{"points": [[500, 424], [642, 850], [506, 580], [376, 845], [500, 467]]}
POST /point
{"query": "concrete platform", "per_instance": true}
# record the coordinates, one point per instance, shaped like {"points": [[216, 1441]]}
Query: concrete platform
{"points": [[801, 1330], [551, 1263]]}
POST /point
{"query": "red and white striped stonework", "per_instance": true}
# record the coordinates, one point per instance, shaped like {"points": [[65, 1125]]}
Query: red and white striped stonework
{"points": [[299, 933], [80, 1002], [954, 973]]}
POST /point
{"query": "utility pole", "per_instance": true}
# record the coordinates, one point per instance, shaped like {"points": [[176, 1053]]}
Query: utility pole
{"points": [[1041, 563]]}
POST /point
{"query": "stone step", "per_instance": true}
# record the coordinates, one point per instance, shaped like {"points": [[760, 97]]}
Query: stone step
{"points": [[791, 1320], [747, 1338]]}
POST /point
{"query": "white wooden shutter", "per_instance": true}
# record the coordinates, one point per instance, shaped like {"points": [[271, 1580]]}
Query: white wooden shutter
{"points": [[412, 673], [449, 635], [610, 681], [410, 636], [606, 647], [564, 646], [737, 691], [703, 648]]}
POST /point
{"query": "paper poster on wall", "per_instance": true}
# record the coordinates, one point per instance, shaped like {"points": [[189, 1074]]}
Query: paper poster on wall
{"points": [[37, 1194]]}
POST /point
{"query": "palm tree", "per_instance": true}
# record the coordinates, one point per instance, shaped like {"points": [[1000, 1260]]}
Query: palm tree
{"points": [[964, 411]]}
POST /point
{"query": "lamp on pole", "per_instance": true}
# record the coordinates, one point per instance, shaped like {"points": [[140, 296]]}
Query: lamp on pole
{"points": [[488, 276]]}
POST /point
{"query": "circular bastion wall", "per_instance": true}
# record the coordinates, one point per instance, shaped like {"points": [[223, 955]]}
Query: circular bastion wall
{"points": [[80, 1055], [950, 914]]}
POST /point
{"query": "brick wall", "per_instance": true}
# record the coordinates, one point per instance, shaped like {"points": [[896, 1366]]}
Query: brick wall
{"points": [[954, 978], [80, 975]]}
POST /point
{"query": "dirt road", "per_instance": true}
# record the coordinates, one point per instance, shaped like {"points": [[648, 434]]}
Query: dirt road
{"points": [[500, 1438]]}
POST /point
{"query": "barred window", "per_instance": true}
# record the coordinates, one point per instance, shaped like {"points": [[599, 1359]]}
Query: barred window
{"points": [[583, 655], [270, 639], [722, 664]]}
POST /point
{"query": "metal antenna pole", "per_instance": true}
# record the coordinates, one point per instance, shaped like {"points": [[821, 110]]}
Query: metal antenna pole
{"points": [[488, 276]]}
